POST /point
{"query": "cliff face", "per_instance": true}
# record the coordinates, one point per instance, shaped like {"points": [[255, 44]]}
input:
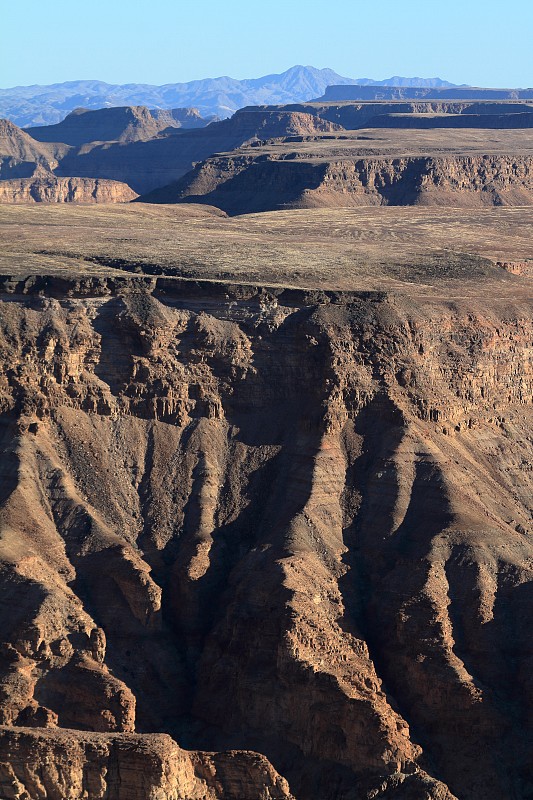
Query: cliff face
{"points": [[126, 124], [363, 115], [148, 164], [58, 764], [243, 182], [20, 155], [46, 188], [292, 522], [349, 93]]}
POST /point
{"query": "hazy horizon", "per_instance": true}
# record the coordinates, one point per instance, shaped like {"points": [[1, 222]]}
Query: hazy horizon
{"points": [[164, 42], [213, 77]]}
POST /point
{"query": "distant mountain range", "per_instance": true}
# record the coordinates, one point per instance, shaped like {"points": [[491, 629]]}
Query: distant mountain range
{"points": [[46, 105]]}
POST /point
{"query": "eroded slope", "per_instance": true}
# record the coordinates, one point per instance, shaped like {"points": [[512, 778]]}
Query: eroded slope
{"points": [[458, 168], [292, 522]]}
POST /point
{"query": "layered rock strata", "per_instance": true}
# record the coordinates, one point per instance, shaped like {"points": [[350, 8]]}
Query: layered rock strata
{"points": [[245, 182], [46, 188], [67, 766], [294, 522], [353, 115]]}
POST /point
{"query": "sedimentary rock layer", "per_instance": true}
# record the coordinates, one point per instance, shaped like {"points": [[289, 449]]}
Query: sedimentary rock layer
{"points": [[353, 115], [49, 189], [294, 522], [69, 765], [146, 165], [244, 182]]}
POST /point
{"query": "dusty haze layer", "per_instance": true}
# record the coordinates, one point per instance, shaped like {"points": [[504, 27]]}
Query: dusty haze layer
{"points": [[271, 498]]}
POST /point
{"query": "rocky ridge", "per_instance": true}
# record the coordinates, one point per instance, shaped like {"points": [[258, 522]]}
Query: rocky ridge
{"points": [[249, 182], [21, 155], [127, 124], [46, 188], [295, 522], [139, 150], [61, 764], [147, 165], [349, 93], [354, 115]]}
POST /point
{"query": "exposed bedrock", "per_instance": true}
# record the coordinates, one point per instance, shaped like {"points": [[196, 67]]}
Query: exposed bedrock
{"points": [[65, 765], [363, 115], [290, 522], [46, 188], [246, 183]]}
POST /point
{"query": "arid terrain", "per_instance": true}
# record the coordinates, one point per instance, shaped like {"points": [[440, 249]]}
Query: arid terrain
{"points": [[428, 151], [266, 501], [433, 167]]}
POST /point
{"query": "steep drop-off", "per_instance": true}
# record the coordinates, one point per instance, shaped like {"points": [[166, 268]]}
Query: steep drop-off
{"points": [[21, 156], [246, 182], [126, 124], [294, 522], [353, 115], [46, 188], [145, 165], [343, 93]]}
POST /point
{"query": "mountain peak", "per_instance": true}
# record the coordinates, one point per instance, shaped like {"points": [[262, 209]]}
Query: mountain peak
{"points": [[45, 105]]}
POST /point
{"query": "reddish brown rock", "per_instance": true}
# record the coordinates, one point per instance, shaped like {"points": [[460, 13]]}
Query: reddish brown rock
{"points": [[69, 765], [46, 188], [294, 522]]}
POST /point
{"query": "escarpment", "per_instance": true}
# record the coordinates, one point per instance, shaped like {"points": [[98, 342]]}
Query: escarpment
{"points": [[47, 188], [294, 522], [245, 182], [48, 763]]}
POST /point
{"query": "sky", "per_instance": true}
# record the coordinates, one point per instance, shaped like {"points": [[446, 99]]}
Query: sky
{"points": [[479, 42]]}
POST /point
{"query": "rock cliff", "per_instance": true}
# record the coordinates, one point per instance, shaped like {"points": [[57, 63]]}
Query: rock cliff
{"points": [[68, 766], [290, 521], [21, 156], [349, 93], [46, 188], [362, 115], [145, 165], [246, 182], [126, 124], [122, 124]]}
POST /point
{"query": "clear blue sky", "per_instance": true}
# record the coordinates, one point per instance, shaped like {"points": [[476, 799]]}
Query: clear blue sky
{"points": [[480, 42]]}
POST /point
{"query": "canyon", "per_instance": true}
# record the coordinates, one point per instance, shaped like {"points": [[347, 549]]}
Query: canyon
{"points": [[265, 501], [430, 149], [440, 167]]}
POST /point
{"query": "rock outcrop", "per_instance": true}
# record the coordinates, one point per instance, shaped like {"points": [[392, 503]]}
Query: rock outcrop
{"points": [[342, 93], [98, 155], [182, 117], [149, 164], [247, 182], [293, 522], [68, 765], [27, 174], [127, 124], [47, 188], [354, 115], [21, 156], [522, 119]]}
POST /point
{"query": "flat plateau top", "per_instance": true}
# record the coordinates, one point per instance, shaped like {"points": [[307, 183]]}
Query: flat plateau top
{"points": [[444, 253], [383, 142]]}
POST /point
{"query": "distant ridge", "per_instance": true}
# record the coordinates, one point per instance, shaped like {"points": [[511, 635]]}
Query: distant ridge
{"points": [[47, 105], [371, 92], [121, 124]]}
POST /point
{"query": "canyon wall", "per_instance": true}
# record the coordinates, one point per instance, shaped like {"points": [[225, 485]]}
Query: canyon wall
{"points": [[49, 189], [245, 182], [283, 521]]}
